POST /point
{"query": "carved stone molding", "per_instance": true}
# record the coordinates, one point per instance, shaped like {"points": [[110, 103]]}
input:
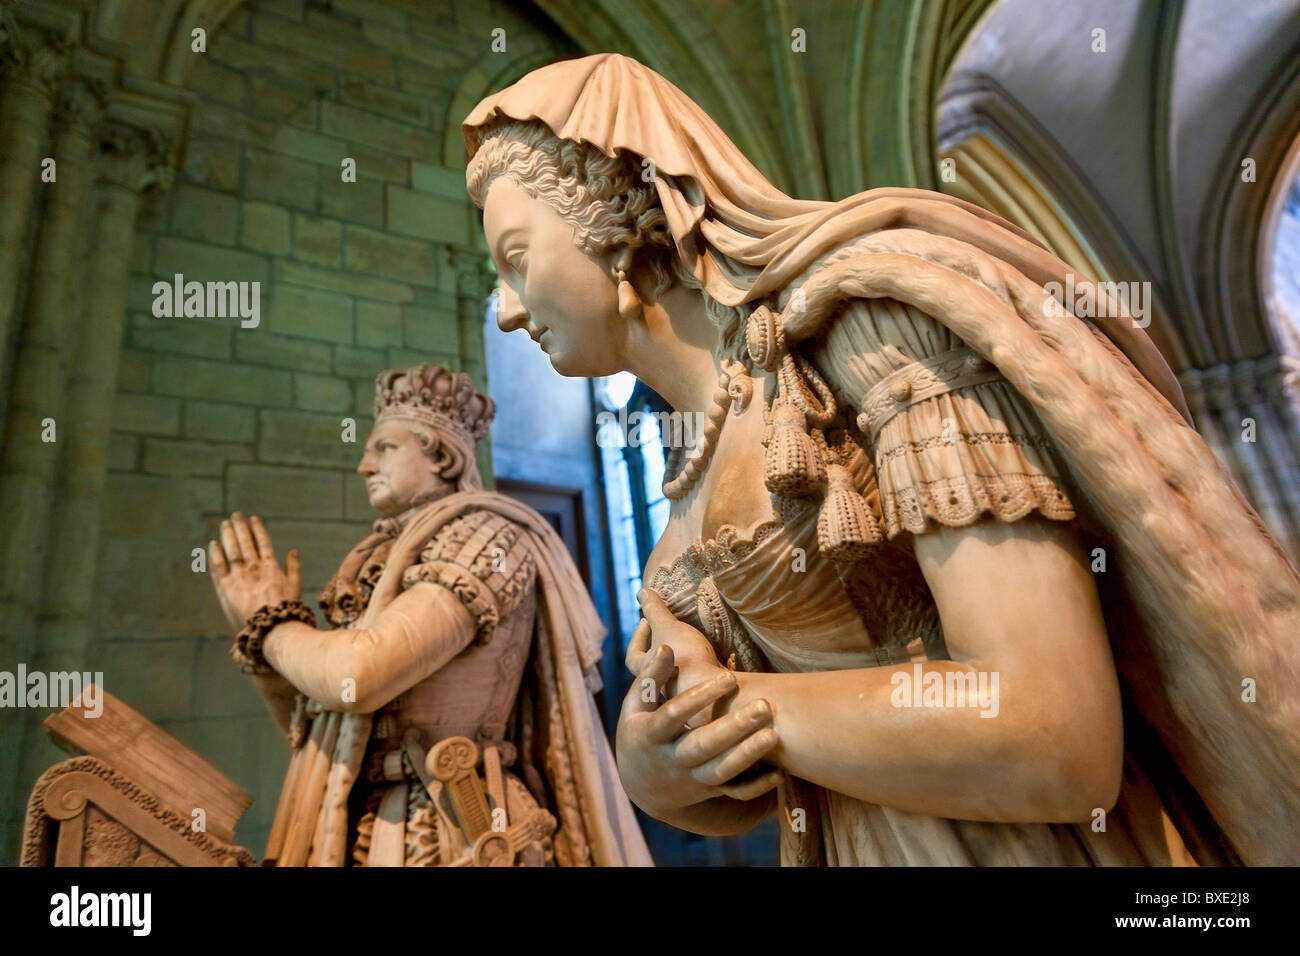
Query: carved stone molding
{"points": [[135, 158], [1265, 391], [1274, 379], [976, 107], [80, 105], [1232, 250]]}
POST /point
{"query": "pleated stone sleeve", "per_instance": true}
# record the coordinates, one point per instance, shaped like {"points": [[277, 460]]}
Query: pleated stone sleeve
{"points": [[951, 440]]}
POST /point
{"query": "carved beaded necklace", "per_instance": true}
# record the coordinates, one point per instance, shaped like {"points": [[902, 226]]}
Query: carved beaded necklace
{"points": [[735, 388]]}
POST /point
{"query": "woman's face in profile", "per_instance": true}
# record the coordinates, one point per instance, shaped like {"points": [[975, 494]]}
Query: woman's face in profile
{"points": [[567, 300]]}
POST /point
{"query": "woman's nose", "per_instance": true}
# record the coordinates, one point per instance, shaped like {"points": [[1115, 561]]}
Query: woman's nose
{"points": [[367, 466], [511, 313]]}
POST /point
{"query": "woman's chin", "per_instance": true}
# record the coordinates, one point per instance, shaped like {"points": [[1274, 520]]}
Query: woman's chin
{"points": [[573, 365], [561, 363]]}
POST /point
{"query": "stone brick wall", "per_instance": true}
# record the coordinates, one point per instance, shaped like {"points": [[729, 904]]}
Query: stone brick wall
{"points": [[355, 277]]}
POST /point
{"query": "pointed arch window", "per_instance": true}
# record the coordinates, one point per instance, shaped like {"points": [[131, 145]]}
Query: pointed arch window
{"points": [[1280, 258]]}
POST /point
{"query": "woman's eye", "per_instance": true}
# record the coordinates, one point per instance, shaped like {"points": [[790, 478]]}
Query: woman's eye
{"points": [[517, 261]]}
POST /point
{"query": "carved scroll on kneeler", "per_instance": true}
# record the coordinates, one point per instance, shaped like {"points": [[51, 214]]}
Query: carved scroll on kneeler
{"points": [[134, 796]]}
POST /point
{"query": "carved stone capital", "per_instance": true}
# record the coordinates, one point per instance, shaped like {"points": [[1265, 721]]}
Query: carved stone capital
{"points": [[134, 158], [30, 58], [8, 26], [80, 105], [1283, 385], [1272, 378]]}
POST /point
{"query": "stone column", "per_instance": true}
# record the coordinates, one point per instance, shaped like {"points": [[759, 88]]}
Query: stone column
{"points": [[130, 160], [29, 74], [1266, 391], [474, 283], [27, 463]]}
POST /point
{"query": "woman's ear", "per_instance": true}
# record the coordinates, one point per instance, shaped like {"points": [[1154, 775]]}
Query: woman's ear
{"points": [[624, 259], [630, 307]]}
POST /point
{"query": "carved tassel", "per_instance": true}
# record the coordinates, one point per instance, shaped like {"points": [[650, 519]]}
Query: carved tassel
{"points": [[765, 339], [792, 466], [846, 530]]}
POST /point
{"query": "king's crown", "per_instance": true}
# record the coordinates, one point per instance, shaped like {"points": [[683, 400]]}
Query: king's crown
{"points": [[436, 396]]}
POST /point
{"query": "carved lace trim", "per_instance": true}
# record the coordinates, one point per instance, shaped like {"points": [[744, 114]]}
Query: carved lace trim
{"points": [[420, 835], [960, 501], [683, 574], [916, 446], [422, 842], [727, 548], [493, 550], [732, 643], [732, 544], [472, 592], [344, 601], [366, 828]]}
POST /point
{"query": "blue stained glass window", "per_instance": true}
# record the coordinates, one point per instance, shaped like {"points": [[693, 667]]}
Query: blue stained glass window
{"points": [[633, 458], [1284, 297]]}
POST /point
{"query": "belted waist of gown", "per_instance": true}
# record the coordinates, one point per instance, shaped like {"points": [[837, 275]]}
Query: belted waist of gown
{"points": [[388, 744]]}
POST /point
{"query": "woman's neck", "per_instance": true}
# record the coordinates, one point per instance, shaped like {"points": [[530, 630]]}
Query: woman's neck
{"points": [[672, 349]]}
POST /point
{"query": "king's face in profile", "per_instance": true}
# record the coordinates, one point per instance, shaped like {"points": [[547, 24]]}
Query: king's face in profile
{"points": [[397, 469]]}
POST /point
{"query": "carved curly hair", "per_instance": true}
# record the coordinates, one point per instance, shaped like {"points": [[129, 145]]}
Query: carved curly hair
{"points": [[451, 460], [604, 198]]}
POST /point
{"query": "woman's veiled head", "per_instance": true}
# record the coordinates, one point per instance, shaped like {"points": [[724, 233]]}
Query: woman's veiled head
{"points": [[561, 218], [604, 199]]}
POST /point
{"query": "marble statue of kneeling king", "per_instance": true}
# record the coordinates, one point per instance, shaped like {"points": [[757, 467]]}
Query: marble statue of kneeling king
{"points": [[447, 717]]}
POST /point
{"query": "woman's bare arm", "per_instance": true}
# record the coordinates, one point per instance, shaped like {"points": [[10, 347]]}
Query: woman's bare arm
{"points": [[1017, 601], [362, 669]]}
